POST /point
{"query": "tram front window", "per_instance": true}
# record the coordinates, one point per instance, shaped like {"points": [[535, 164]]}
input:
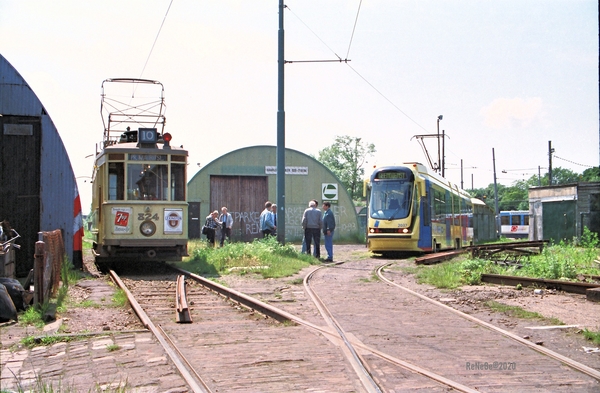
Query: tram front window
{"points": [[147, 182], [390, 199]]}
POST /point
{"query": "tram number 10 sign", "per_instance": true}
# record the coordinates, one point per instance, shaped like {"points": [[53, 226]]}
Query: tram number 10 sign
{"points": [[147, 135]]}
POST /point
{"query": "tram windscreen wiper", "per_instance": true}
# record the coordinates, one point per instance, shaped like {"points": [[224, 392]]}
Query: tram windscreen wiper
{"points": [[393, 214]]}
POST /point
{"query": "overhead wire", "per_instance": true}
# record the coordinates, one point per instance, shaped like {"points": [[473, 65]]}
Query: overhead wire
{"points": [[574, 163], [355, 71], [156, 39], [353, 29]]}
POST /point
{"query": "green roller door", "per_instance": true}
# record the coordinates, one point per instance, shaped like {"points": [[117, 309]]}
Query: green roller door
{"points": [[559, 220]]}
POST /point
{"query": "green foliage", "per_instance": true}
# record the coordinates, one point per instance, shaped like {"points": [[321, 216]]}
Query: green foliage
{"points": [[592, 336], [444, 275], [32, 316], [562, 261], [589, 239], [266, 257], [32, 341], [513, 311], [591, 174], [345, 158], [516, 196], [120, 298]]}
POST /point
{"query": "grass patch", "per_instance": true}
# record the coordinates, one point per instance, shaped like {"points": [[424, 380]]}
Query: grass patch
{"points": [[112, 347], [445, 275], [592, 336], [512, 311], [563, 261], [296, 281], [518, 312], [120, 298], [33, 341], [263, 257]]}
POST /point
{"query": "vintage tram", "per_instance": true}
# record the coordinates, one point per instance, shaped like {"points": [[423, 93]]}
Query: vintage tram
{"points": [[411, 209], [139, 209]]}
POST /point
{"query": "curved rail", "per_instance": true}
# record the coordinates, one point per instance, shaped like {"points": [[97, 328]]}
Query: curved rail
{"points": [[398, 362], [570, 362], [281, 315], [187, 372]]}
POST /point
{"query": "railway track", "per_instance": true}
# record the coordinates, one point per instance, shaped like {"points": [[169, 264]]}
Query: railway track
{"points": [[349, 333], [229, 347]]}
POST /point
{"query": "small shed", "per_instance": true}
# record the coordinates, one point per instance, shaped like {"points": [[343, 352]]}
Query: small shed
{"points": [[38, 191], [243, 180], [561, 212]]}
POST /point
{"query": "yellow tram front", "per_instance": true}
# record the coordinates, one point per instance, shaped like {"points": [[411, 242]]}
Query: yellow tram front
{"points": [[139, 208]]}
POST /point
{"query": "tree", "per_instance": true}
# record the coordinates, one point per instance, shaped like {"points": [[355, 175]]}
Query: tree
{"points": [[561, 176], [345, 158], [591, 174]]}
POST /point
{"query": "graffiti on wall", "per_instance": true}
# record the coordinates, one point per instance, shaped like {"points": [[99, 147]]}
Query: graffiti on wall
{"points": [[248, 223]]}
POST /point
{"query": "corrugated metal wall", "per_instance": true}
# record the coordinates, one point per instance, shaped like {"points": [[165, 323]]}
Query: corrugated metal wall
{"points": [[56, 190]]}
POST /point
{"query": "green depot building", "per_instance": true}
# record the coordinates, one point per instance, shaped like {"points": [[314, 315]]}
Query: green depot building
{"points": [[243, 180]]}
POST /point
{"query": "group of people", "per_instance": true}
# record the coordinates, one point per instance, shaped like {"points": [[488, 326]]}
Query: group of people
{"points": [[313, 222], [214, 221]]}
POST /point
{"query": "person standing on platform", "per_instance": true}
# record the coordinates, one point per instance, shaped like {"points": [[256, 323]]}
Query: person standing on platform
{"points": [[312, 223], [227, 221], [328, 228], [266, 220]]}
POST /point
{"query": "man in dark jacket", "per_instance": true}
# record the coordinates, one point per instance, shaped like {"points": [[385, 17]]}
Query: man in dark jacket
{"points": [[328, 227]]}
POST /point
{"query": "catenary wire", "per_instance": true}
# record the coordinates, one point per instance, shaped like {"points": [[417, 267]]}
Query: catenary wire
{"points": [[355, 71], [353, 29], [156, 39]]}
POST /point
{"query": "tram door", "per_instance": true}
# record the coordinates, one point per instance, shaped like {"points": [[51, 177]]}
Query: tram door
{"points": [[244, 197]]}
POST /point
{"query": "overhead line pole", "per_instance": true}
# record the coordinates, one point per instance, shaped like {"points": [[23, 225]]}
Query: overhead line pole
{"points": [[281, 124], [280, 132]]}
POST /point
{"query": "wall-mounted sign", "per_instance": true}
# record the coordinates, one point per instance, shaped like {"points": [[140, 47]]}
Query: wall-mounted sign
{"points": [[289, 170], [329, 191]]}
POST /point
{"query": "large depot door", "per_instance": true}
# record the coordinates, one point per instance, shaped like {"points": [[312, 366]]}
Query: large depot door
{"points": [[20, 144], [244, 197]]}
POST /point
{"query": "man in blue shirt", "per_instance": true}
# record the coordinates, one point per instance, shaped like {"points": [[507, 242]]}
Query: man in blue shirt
{"points": [[267, 226]]}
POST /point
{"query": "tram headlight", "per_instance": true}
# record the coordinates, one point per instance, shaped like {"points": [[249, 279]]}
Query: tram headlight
{"points": [[147, 228]]}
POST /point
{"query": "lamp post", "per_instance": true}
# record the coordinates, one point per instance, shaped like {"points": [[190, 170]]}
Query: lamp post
{"points": [[440, 117]]}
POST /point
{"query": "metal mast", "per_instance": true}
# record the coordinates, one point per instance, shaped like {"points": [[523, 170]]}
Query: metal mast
{"points": [[280, 134]]}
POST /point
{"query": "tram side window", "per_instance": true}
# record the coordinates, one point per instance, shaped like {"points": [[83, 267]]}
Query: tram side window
{"points": [[178, 182], [515, 220], [439, 205], [116, 180], [504, 220]]}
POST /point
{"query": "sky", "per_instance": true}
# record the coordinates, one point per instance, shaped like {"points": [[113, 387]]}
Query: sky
{"points": [[508, 77]]}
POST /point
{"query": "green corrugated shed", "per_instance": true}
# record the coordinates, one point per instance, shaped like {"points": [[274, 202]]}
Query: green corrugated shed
{"points": [[243, 180]]}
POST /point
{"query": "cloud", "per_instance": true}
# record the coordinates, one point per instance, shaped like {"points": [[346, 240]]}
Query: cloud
{"points": [[505, 113]]}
